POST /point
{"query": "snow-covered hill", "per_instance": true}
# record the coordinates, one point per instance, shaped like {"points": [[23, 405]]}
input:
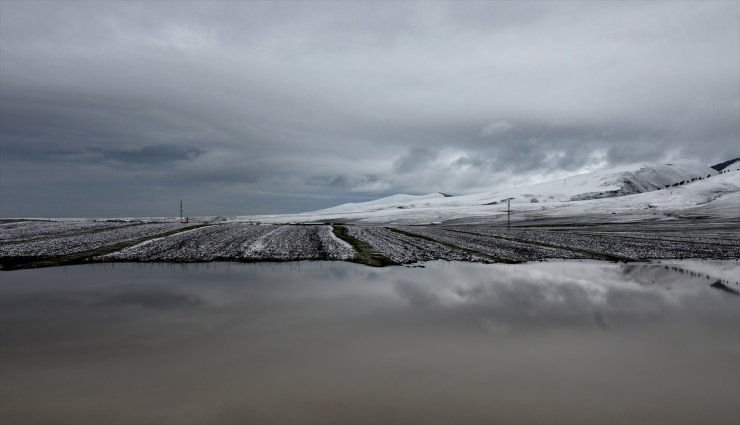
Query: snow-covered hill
{"points": [[636, 188], [393, 201], [626, 180]]}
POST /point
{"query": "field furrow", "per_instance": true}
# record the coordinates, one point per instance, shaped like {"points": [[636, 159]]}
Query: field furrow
{"points": [[66, 245], [288, 243], [728, 239], [404, 249], [240, 242], [617, 245], [218, 242], [25, 231], [658, 248], [497, 249]]}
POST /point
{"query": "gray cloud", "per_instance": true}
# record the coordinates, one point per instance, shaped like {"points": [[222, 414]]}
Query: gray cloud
{"points": [[150, 154], [418, 157], [260, 107]]}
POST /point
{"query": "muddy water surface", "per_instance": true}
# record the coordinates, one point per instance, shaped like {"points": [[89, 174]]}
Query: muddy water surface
{"points": [[560, 342]]}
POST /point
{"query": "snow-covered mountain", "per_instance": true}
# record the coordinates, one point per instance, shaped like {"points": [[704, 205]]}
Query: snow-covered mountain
{"points": [[394, 201], [625, 180], [630, 188]]}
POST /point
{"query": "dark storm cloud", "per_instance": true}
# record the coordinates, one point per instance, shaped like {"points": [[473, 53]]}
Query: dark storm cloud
{"points": [[544, 146], [418, 157], [331, 181], [149, 154], [251, 107]]}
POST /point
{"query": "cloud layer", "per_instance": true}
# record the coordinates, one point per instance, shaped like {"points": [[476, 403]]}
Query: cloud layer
{"points": [[124, 108]]}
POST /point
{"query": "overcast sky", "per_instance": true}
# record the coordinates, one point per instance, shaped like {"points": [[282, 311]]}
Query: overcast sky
{"points": [[124, 108]]}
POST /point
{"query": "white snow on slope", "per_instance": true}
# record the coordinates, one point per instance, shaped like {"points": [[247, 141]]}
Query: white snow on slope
{"points": [[636, 188], [408, 201], [624, 180]]}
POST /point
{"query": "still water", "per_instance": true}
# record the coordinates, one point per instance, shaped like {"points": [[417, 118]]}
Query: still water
{"points": [[557, 342]]}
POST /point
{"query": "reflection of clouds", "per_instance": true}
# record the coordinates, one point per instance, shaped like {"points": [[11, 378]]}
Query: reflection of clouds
{"points": [[494, 326], [497, 296], [415, 293], [225, 288], [504, 297], [519, 286], [103, 301], [155, 299], [100, 305]]}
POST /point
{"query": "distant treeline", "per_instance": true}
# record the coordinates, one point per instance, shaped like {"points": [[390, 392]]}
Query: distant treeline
{"points": [[723, 165]]}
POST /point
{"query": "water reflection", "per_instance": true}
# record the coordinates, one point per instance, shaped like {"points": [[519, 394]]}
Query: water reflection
{"points": [[584, 342], [549, 295]]}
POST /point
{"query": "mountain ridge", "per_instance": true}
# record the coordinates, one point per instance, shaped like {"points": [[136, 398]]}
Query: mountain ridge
{"points": [[616, 181], [645, 190]]}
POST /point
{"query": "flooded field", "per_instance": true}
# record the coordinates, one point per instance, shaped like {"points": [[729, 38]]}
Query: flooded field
{"points": [[564, 342]]}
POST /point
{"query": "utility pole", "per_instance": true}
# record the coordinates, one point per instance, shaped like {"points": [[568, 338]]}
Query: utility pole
{"points": [[180, 210], [508, 214]]}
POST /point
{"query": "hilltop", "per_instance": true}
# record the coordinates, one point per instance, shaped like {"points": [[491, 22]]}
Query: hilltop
{"points": [[636, 189]]}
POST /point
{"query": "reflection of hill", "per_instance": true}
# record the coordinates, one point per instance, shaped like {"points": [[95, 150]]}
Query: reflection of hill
{"points": [[722, 287], [684, 276]]}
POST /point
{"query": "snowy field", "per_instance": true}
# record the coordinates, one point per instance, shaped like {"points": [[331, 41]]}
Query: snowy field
{"points": [[73, 238], [496, 249], [241, 242], [175, 242], [404, 249], [24, 230], [623, 245]]}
